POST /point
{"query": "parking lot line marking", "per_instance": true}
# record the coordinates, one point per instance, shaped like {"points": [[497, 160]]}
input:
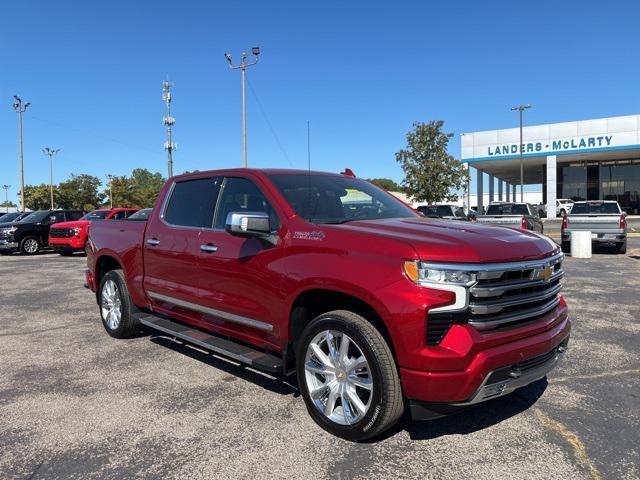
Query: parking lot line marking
{"points": [[578, 446], [633, 371]]}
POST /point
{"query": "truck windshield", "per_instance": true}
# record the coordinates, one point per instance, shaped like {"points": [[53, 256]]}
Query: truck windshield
{"points": [[596, 207], [96, 215], [37, 216], [508, 209], [335, 199]]}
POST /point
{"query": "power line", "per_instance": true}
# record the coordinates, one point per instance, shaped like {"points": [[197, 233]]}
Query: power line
{"points": [[266, 119]]}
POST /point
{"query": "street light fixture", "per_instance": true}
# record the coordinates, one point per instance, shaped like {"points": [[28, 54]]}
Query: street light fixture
{"points": [[243, 66], [521, 108], [20, 108], [51, 152]]}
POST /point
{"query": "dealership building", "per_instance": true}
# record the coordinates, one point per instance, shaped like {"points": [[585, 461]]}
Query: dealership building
{"points": [[584, 160]]}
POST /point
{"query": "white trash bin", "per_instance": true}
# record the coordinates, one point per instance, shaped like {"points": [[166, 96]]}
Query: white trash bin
{"points": [[581, 244]]}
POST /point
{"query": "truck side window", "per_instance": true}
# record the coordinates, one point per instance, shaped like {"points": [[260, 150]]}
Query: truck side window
{"points": [[192, 202], [120, 215], [240, 194]]}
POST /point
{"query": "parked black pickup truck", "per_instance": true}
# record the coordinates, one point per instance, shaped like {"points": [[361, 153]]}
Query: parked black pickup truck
{"points": [[31, 234]]}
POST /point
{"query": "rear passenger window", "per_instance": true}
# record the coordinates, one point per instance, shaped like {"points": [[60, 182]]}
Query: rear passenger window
{"points": [[192, 202], [120, 215]]}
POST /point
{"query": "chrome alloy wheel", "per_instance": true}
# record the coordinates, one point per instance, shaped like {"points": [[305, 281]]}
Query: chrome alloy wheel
{"points": [[338, 377], [31, 245], [111, 306]]}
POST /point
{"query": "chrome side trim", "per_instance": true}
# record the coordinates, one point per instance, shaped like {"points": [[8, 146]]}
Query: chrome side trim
{"points": [[232, 317]]}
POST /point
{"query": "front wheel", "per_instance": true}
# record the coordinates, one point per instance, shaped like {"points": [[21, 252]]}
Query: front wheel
{"points": [[29, 246], [115, 306], [348, 376]]}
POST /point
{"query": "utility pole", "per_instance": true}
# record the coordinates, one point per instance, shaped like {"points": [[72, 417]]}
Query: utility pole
{"points": [[110, 177], [6, 196], [521, 109], [20, 108], [243, 66], [51, 152], [169, 121]]}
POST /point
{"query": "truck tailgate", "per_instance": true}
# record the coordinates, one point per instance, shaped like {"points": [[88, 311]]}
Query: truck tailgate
{"points": [[505, 220], [594, 223]]}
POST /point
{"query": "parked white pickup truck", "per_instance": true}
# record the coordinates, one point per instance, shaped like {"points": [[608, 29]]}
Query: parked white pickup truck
{"points": [[604, 219]]}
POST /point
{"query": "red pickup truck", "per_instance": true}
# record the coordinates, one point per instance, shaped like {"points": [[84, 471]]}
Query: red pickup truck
{"points": [[68, 237], [372, 306]]}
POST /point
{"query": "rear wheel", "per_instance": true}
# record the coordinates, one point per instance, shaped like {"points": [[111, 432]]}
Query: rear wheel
{"points": [[348, 376], [29, 246], [116, 308], [621, 247], [566, 247]]}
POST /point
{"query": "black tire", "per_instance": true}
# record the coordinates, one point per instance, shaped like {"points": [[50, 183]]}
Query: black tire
{"points": [[66, 253], [621, 247], [30, 246], [387, 404], [128, 325], [5, 253], [566, 247]]}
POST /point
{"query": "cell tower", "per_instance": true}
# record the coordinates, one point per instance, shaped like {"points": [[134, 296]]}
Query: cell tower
{"points": [[169, 121]]}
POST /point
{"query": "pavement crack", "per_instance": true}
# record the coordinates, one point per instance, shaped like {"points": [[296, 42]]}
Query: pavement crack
{"points": [[579, 448], [31, 332]]}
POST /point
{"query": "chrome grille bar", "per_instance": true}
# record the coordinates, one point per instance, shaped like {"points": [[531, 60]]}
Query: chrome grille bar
{"points": [[499, 305], [521, 315]]}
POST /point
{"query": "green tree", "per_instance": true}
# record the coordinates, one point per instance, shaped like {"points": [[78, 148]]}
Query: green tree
{"points": [[139, 190], [38, 197], [386, 183], [431, 174], [7, 203], [80, 191]]}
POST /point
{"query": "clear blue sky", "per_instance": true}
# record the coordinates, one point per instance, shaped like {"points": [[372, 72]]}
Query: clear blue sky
{"points": [[361, 72]]}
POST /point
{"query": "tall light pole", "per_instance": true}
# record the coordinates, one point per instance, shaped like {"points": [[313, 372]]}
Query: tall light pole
{"points": [[521, 109], [243, 66], [6, 196], [168, 121], [110, 177], [51, 152], [20, 108]]}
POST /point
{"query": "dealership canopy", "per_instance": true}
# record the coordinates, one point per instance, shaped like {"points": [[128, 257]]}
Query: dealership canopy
{"points": [[585, 160]]}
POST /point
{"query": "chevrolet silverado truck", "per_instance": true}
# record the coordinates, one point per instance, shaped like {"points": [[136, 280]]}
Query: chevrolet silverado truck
{"points": [[373, 307], [515, 215], [603, 218], [69, 237], [31, 234]]}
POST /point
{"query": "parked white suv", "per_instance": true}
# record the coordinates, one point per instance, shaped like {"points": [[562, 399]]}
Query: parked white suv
{"points": [[563, 206]]}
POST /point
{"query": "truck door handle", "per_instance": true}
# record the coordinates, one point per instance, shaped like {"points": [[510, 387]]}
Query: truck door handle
{"points": [[153, 241], [208, 247]]}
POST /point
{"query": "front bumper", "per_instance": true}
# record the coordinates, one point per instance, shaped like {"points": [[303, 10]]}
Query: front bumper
{"points": [[497, 383], [67, 244], [8, 245]]}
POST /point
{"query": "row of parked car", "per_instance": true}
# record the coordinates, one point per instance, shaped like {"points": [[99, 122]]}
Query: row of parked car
{"points": [[603, 218], [64, 231]]}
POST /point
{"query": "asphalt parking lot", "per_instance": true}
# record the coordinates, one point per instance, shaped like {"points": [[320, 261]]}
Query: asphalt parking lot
{"points": [[75, 403]]}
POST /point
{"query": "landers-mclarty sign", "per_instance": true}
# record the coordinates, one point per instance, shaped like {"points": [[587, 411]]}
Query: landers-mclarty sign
{"points": [[563, 145]]}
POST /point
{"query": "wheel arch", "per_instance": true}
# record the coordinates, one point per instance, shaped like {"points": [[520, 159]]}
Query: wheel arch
{"points": [[313, 302]]}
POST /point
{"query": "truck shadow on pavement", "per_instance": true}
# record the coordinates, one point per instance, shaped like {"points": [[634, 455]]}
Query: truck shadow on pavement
{"points": [[465, 421], [478, 417], [278, 384]]}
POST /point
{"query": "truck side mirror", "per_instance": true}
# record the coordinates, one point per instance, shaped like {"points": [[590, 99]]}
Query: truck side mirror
{"points": [[248, 224]]}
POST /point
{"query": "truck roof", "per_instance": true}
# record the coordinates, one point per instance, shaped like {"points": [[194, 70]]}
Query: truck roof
{"points": [[262, 171]]}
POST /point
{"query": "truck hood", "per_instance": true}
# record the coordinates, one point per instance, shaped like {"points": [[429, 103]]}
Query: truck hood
{"points": [[73, 224], [455, 241]]}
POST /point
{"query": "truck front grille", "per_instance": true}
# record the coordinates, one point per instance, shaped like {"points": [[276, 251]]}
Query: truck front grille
{"points": [[61, 232], [514, 294]]}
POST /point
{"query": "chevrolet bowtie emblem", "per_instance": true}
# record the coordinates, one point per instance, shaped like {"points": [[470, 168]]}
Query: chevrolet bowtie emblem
{"points": [[542, 273]]}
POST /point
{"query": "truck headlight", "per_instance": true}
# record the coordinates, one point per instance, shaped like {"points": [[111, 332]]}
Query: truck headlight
{"points": [[422, 273], [441, 277]]}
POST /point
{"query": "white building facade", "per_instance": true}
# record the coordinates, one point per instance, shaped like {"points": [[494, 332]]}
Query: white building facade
{"points": [[595, 159]]}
